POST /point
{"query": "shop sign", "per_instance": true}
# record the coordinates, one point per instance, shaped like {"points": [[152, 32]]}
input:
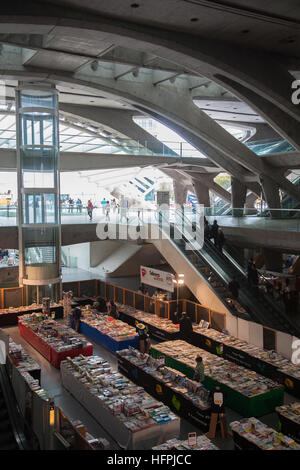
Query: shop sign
{"points": [[192, 439], [157, 278]]}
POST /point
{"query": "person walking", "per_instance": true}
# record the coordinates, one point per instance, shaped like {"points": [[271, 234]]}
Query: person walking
{"points": [[214, 232], [103, 204], [90, 208], [107, 211]]}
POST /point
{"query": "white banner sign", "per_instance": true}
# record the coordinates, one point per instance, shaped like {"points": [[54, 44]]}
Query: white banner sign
{"points": [[156, 278]]}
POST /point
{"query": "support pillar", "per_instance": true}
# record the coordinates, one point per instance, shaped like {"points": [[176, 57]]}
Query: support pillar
{"points": [[38, 191], [202, 193], [271, 193], [180, 192], [238, 197]]}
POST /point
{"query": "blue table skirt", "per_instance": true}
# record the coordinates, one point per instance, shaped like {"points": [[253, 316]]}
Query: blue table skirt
{"points": [[105, 340]]}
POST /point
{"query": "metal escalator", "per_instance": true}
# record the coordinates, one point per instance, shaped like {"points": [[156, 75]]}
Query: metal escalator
{"points": [[11, 432], [218, 270]]}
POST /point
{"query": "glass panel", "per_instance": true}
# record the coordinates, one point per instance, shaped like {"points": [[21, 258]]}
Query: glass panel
{"points": [[38, 129], [38, 98], [40, 255], [217, 320], [39, 209], [38, 159]]}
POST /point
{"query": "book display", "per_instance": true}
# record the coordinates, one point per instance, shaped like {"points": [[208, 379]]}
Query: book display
{"points": [[75, 434], [55, 341], [9, 316], [107, 331], [184, 396], [268, 363], [203, 443], [158, 327], [126, 411], [21, 359], [289, 420], [252, 434], [246, 391]]}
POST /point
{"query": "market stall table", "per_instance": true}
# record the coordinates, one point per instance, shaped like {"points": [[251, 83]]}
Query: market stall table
{"points": [[175, 400], [160, 329], [50, 353], [266, 394], [252, 434], [9, 316], [145, 438], [267, 363], [289, 420]]}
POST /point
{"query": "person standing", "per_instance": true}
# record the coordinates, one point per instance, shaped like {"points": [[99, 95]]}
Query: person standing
{"points": [[77, 315], [103, 204], [90, 208], [234, 288], [186, 327], [79, 205], [249, 271], [199, 371], [220, 240], [214, 232]]}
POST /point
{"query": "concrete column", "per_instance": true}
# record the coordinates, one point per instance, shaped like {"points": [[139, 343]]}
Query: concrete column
{"points": [[180, 192], [273, 260], [202, 193], [238, 197], [271, 193]]}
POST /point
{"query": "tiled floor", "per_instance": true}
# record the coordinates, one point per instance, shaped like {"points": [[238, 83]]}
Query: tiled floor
{"points": [[51, 382]]}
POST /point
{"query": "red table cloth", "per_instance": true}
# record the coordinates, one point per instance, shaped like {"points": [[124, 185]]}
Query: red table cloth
{"points": [[53, 356]]}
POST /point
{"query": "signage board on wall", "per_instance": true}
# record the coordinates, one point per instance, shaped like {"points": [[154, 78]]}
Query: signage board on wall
{"points": [[157, 278]]}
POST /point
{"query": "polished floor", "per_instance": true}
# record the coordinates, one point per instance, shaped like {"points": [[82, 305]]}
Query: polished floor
{"points": [[51, 382]]}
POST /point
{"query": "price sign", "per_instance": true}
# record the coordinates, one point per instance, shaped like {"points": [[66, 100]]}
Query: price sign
{"points": [[192, 439]]}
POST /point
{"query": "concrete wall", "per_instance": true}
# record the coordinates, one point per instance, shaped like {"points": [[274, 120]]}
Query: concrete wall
{"points": [[9, 275]]}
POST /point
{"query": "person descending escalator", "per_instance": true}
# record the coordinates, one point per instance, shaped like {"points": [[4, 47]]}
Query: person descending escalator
{"points": [[221, 240], [234, 288], [214, 232]]}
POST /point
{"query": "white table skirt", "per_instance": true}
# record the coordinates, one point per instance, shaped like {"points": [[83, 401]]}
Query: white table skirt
{"points": [[139, 440]]}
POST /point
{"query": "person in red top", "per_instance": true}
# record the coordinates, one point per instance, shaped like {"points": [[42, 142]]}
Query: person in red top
{"points": [[90, 208]]}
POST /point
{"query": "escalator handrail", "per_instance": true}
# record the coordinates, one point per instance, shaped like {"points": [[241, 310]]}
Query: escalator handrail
{"points": [[13, 410], [247, 297]]}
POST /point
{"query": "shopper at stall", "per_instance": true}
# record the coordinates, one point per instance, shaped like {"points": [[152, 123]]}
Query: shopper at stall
{"points": [[199, 371], [101, 304], [77, 315], [144, 338], [185, 327], [112, 309], [176, 318]]}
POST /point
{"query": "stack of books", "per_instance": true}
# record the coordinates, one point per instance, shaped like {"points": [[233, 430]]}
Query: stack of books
{"points": [[135, 408], [245, 381], [262, 436]]}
